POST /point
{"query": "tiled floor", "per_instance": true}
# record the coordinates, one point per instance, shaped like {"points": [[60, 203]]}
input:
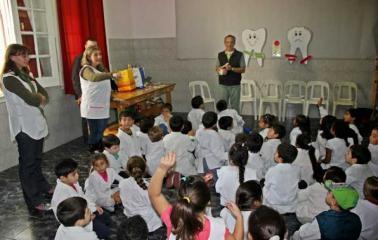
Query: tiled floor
{"points": [[15, 221]]}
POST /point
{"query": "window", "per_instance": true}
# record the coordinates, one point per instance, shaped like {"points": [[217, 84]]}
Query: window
{"points": [[35, 26]]}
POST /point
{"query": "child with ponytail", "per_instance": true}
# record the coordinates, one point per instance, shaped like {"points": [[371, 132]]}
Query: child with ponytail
{"points": [[231, 176], [134, 195], [186, 219]]}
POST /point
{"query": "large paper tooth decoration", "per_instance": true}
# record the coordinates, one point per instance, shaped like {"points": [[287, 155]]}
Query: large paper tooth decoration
{"points": [[254, 41], [299, 38]]}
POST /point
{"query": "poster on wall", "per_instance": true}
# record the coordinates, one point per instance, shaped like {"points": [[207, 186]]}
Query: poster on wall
{"points": [[299, 38], [254, 41]]}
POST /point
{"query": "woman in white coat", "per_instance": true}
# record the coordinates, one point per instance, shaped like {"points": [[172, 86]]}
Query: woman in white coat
{"points": [[96, 91], [25, 99]]}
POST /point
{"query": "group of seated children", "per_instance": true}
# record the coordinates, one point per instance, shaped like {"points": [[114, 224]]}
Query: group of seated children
{"points": [[268, 188]]}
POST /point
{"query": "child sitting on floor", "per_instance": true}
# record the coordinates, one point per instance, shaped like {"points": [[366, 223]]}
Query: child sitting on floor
{"points": [[254, 143], [231, 176], [311, 200], [211, 152], [350, 118], [67, 186], [193, 198], [182, 145], [266, 224], [196, 113], [163, 119], [248, 199], [338, 222], [303, 160], [238, 122], [133, 192], [266, 121], [358, 157], [367, 209], [155, 149], [99, 184], [75, 220], [225, 126], [281, 185], [269, 147], [129, 141], [301, 125], [111, 150], [373, 148]]}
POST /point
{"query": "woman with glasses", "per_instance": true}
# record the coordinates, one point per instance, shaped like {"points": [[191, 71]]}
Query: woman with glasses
{"points": [[25, 99]]}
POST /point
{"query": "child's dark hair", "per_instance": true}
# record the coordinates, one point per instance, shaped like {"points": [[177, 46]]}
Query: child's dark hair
{"points": [[176, 123], [326, 126], [335, 174], [238, 155], [110, 140], [352, 112], [126, 114], [269, 119], [136, 167], [241, 138], [146, 124], [254, 142], [361, 153], [167, 106], [209, 119], [193, 197], [187, 127], [71, 210], [303, 123], [342, 130], [65, 167], [304, 142], [197, 101], [280, 130], [221, 105], [371, 189], [155, 134], [248, 192], [287, 152], [225, 122], [99, 156], [265, 223], [133, 228]]}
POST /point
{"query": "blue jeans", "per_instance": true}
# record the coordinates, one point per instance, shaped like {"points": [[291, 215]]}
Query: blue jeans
{"points": [[96, 129]]}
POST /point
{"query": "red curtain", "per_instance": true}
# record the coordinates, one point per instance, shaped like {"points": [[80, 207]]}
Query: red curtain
{"points": [[78, 21]]}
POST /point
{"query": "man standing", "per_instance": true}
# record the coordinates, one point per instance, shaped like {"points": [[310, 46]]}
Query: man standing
{"points": [[76, 66], [230, 66]]}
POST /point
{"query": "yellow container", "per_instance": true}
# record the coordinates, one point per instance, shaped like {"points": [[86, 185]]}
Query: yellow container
{"points": [[126, 82]]}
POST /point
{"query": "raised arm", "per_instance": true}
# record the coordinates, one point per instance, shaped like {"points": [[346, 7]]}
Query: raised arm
{"points": [[154, 189]]}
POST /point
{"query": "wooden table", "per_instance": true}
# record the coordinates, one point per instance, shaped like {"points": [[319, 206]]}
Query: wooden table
{"points": [[122, 100]]}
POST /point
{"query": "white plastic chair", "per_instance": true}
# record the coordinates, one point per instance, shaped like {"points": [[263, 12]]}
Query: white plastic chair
{"points": [[248, 93], [294, 93], [314, 91], [271, 92], [204, 91], [344, 94]]}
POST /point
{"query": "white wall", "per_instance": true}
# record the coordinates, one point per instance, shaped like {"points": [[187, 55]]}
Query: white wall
{"points": [[133, 19]]}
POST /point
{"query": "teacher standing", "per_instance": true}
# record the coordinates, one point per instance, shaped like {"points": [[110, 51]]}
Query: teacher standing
{"points": [[230, 66], [24, 98], [96, 90]]}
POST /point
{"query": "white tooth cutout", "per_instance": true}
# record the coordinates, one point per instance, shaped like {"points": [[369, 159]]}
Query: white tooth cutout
{"points": [[299, 38], [254, 41]]}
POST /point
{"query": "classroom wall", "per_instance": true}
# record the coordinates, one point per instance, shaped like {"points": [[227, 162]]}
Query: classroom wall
{"points": [[157, 52], [63, 119]]}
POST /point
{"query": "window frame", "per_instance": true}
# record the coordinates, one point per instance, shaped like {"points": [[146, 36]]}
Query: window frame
{"points": [[56, 78]]}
